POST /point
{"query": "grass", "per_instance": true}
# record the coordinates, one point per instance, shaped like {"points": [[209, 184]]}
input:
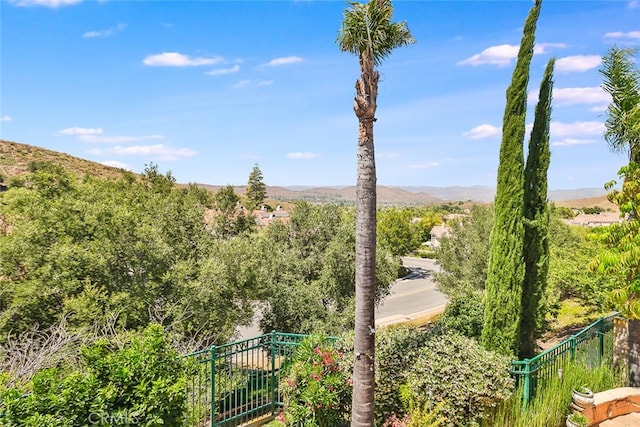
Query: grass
{"points": [[550, 406]]}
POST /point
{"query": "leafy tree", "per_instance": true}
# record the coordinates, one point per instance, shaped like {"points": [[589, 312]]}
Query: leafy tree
{"points": [[133, 250], [536, 214], [403, 230], [620, 259], [463, 255], [503, 297], [229, 218], [309, 263], [256, 189], [368, 32], [622, 81]]}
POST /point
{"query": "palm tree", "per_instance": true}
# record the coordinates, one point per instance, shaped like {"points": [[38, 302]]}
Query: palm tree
{"points": [[367, 31], [622, 81]]}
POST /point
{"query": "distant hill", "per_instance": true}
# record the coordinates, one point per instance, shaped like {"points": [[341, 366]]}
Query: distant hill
{"points": [[346, 195], [588, 202], [16, 157]]}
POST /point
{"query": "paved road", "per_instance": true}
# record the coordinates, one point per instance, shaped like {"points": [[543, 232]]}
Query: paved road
{"points": [[412, 297]]}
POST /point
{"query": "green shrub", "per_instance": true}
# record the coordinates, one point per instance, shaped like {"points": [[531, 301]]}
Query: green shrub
{"points": [[397, 349], [464, 314], [140, 382], [455, 370], [317, 392]]}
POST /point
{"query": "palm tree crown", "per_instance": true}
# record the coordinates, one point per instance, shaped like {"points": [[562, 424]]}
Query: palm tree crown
{"points": [[367, 29], [622, 82]]}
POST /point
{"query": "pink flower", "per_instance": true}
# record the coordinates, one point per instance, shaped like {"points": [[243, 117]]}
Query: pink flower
{"points": [[280, 417], [350, 382], [315, 377]]}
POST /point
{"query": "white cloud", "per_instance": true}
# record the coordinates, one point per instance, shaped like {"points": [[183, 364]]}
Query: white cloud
{"points": [[576, 96], [623, 35], [495, 55], [573, 141], [6, 119], [542, 47], [283, 61], [599, 108], [116, 139], [46, 3], [424, 165], [175, 59], [159, 151], [116, 164], [80, 131], [104, 33], [502, 55], [577, 63], [222, 71], [252, 83], [302, 155], [634, 4], [482, 131], [572, 130]]}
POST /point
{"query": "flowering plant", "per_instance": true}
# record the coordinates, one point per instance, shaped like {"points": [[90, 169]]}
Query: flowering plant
{"points": [[317, 392]]}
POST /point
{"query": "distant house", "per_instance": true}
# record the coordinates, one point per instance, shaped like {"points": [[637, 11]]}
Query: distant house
{"points": [[595, 220], [264, 217], [436, 234]]}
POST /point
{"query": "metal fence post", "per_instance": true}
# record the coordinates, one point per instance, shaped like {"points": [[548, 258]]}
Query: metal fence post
{"points": [[572, 347], [600, 340], [273, 372], [527, 383], [212, 409]]}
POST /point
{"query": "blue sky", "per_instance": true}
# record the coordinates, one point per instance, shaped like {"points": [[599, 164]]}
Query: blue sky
{"points": [[207, 89]]}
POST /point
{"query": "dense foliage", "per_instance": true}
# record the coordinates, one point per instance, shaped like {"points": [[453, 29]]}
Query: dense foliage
{"points": [[421, 374], [503, 289], [456, 370], [129, 249], [620, 259], [131, 380], [536, 218], [463, 256], [403, 230], [309, 262], [317, 392]]}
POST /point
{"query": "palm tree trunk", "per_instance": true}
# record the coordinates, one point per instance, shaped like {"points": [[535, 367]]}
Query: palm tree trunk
{"points": [[364, 343], [364, 383]]}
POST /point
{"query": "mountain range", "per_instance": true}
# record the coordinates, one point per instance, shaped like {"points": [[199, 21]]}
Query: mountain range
{"points": [[15, 159]]}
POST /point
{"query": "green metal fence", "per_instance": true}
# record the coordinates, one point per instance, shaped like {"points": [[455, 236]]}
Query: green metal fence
{"points": [[238, 382], [591, 346], [235, 383]]}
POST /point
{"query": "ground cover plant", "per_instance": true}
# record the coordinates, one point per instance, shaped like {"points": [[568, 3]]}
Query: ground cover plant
{"points": [[134, 379]]}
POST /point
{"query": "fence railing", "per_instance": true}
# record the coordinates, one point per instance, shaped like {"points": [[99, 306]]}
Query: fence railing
{"points": [[591, 346], [238, 382]]}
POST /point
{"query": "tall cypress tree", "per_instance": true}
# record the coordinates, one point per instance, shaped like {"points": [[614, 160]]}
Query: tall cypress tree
{"points": [[256, 189], [503, 295], [536, 216]]}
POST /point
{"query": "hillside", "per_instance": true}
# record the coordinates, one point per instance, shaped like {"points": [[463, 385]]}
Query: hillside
{"points": [[15, 159]]}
